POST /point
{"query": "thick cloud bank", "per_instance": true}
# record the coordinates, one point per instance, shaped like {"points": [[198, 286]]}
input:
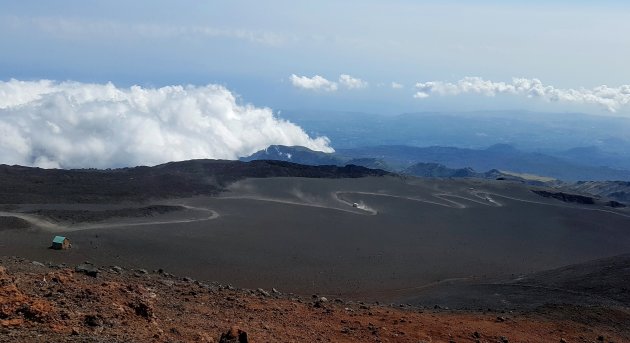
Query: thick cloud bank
{"points": [[71, 125], [610, 98]]}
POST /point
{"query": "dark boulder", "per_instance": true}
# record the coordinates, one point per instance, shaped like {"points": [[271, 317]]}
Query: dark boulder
{"points": [[87, 269], [234, 335]]}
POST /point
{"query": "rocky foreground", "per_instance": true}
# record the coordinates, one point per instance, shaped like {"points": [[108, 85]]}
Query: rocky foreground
{"points": [[55, 303]]}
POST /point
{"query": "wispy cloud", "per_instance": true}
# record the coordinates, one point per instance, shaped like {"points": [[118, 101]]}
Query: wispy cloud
{"points": [[611, 98], [71, 124], [396, 85], [318, 82], [351, 82], [76, 29]]}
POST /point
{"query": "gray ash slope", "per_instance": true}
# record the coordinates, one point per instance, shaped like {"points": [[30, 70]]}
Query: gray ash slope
{"points": [[304, 235], [295, 228], [596, 283]]}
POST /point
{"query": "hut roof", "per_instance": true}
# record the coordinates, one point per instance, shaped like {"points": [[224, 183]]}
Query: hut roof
{"points": [[59, 239]]}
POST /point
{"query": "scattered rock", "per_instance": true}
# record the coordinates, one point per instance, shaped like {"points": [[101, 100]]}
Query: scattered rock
{"points": [[87, 269], [117, 269], [320, 302], [263, 292], [93, 320], [168, 283], [142, 308], [39, 264], [234, 335], [36, 311]]}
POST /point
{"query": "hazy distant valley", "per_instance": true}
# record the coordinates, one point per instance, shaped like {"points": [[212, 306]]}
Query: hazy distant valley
{"points": [[589, 139]]}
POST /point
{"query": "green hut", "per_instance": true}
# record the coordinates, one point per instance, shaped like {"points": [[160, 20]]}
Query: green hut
{"points": [[60, 243]]}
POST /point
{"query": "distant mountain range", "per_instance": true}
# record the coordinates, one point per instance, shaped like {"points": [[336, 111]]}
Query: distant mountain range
{"points": [[447, 161], [580, 138], [501, 161]]}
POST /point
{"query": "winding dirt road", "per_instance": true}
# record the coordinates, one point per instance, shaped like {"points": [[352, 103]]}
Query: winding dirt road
{"points": [[42, 223]]}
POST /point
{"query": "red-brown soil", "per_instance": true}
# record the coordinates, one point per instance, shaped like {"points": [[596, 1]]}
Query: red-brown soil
{"points": [[41, 303]]}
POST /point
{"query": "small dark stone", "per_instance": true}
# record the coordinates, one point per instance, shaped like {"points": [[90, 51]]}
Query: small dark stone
{"points": [[93, 320], [142, 308]]}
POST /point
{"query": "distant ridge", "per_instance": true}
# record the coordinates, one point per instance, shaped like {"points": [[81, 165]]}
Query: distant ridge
{"points": [[175, 179], [398, 158]]}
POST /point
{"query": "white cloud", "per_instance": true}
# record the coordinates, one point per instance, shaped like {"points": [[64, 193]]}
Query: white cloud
{"points": [[313, 83], [351, 82], [72, 124], [320, 83], [611, 98], [396, 85]]}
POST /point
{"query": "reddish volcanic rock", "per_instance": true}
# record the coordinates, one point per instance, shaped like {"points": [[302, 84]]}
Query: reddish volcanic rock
{"points": [[62, 305]]}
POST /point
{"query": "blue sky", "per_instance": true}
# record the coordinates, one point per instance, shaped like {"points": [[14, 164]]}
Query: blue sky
{"points": [[254, 47]]}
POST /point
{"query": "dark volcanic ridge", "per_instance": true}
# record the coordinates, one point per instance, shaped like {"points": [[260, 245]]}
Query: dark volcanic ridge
{"points": [[81, 216], [20, 185], [13, 223]]}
